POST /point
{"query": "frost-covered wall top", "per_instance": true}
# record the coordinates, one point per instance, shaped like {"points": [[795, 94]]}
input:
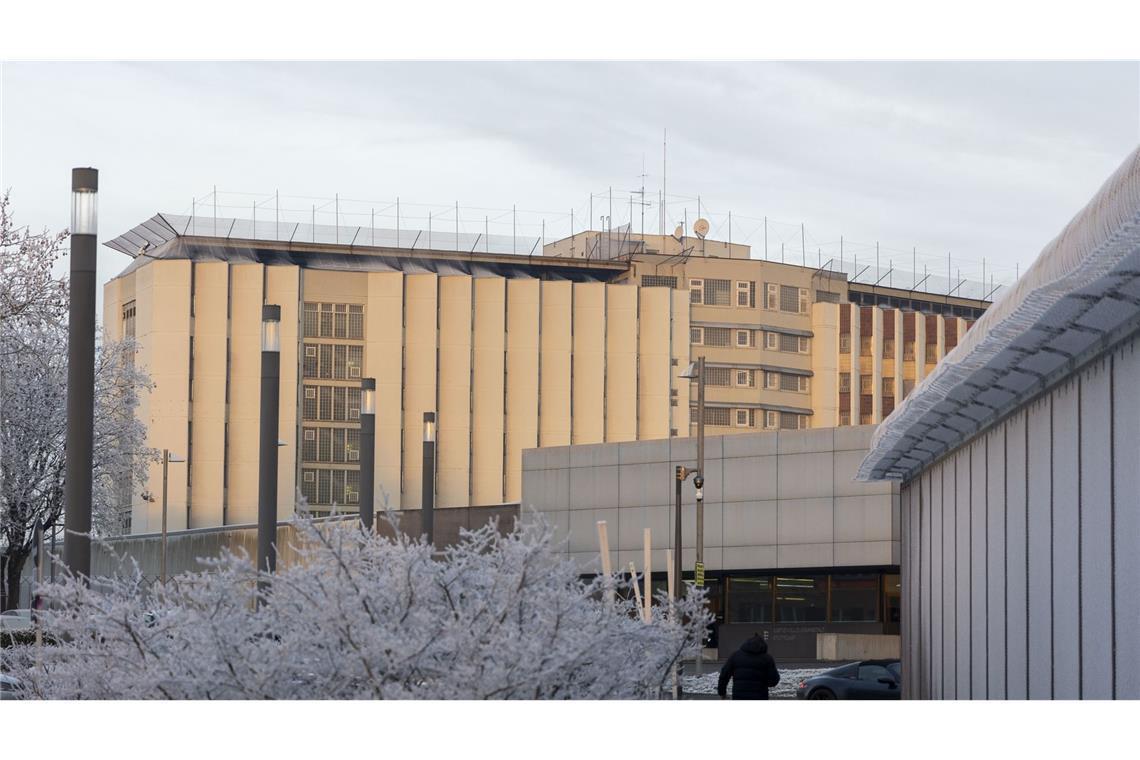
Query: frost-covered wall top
{"points": [[1081, 295]]}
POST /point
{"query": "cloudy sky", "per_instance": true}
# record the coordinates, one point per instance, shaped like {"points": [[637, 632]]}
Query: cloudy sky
{"points": [[985, 161]]}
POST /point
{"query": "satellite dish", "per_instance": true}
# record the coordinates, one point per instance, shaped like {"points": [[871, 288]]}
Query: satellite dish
{"points": [[701, 227], [679, 232]]}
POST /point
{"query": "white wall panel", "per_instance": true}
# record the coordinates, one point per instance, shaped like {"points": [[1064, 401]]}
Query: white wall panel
{"points": [[1040, 466], [1096, 532], [1126, 519], [962, 572], [1066, 645], [950, 579], [996, 557], [978, 569], [1017, 559], [937, 584]]}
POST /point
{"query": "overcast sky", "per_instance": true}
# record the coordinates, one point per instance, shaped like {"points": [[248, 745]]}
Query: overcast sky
{"points": [[980, 160]]}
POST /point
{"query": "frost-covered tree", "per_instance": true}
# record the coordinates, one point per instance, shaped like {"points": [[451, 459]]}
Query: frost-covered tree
{"points": [[33, 431], [28, 287], [363, 617]]}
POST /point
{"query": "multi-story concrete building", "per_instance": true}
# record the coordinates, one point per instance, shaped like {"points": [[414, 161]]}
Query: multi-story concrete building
{"points": [[788, 346], [511, 351]]}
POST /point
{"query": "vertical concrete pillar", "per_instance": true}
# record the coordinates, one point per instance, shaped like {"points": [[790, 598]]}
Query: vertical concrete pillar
{"points": [[877, 364]]}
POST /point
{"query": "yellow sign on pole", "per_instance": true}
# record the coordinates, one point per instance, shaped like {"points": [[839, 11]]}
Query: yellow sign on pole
{"points": [[699, 573]]}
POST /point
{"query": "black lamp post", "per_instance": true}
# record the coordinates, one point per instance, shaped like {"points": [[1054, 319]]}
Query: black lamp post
{"points": [[81, 371], [367, 452], [429, 476], [267, 464]]}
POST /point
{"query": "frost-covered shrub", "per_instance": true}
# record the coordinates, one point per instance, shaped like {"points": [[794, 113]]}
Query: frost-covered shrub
{"points": [[363, 617]]}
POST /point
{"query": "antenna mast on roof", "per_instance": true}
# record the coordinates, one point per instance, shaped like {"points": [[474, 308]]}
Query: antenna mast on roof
{"points": [[664, 177]]}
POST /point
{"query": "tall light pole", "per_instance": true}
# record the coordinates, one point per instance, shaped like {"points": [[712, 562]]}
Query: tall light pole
{"points": [[267, 449], [167, 458], [429, 477], [81, 371], [367, 452], [696, 371]]}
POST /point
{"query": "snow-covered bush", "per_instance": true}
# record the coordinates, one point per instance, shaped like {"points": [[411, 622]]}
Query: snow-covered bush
{"points": [[363, 617]]}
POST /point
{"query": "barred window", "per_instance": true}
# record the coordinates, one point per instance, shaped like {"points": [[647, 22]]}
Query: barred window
{"points": [[326, 320], [129, 310], [326, 368], [354, 403], [744, 378], [340, 362], [309, 445], [324, 486], [743, 418], [844, 382], [340, 322], [696, 291], [338, 486], [772, 380], [743, 338], [845, 343], [717, 415], [931, 353], [324, 445], [791, 421], [889, 386], [908, 351], [888, 348], [717, 336], [326, 403], [658, 281], [338, 404], [789, 298], [355, 361], [338, 450], [696, 335], [844, 418], [352, 487], [908, 386], [866, 384], [718, 376], [771, 420], [864, 419], [352, 444], [355, 322], [804, 346], [309, 485], [865, 345], [790, 382], [718, 292], [312, 321], [789, 343], [309, 405], [310, 365]]}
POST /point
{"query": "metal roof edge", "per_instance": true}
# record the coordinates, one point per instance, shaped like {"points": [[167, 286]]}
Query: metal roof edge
{"points": [[1093, 252]]}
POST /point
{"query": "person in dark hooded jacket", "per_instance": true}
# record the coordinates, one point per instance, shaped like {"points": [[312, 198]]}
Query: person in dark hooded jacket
{"points": [[751, 669]]}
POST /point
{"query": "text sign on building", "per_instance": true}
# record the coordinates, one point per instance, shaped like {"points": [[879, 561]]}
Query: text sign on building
{"points": [[699, 573]]}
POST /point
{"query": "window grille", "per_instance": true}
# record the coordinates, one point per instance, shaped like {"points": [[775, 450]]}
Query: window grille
{"points": [[718, 376], [743, 338], [845, 343], [888, 348], [718, 292], [789, 298], [889, 386], [804, 301], [355, 361], [865, 345], [338, 404], [742, 418], [325, 404], [789, 343], [771, 341], [746, 294], [338, 486], [129, 311], [804, 346], [773, 297], [340, 362], [338, 448], [309, 407], [324, 445], [352, 444], [340, 321], [866, 384], [658, 281], [743, 378], [309, 486], [696, 291], [864, 419], [326, 361], [354, 403], [309, 445], [717, 415], [772, 380], [790, 421], [696, 335], [789, 382], [845, 419], [908, 351], [352, 487], [326, 320], [355, 322], [717, 336], [844, 382], [771, 419], [312, 321]]}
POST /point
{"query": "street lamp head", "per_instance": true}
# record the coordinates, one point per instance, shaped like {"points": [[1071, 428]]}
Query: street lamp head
{"points": [[84, 196], [271, 328], [368, 395], [429, 427], [692, 372]]}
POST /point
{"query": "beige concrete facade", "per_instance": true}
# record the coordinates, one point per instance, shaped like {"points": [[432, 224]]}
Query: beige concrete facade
{"points": [[507, 363]]}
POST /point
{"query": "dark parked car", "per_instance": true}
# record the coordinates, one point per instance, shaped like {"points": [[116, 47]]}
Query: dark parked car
{"points": [[869, 679]]}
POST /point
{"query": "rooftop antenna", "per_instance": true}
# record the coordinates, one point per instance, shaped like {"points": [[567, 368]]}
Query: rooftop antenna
{"points": [[664, 177], [336, 216], [701, 228], [397, 221], [215, 194]]}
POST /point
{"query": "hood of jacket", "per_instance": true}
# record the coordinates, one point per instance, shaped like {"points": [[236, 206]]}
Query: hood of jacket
{"points": [[755, 645]]}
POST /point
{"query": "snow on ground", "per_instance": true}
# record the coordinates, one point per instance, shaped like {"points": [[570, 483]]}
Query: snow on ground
{"points": [[786, 689]]}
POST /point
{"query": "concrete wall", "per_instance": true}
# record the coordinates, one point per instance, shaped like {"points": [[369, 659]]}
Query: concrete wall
{"points": [[772, 500], [1020, 562], [844, 647]]}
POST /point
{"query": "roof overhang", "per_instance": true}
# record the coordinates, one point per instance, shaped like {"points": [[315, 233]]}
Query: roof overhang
{"points": [[1080, 296]]}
